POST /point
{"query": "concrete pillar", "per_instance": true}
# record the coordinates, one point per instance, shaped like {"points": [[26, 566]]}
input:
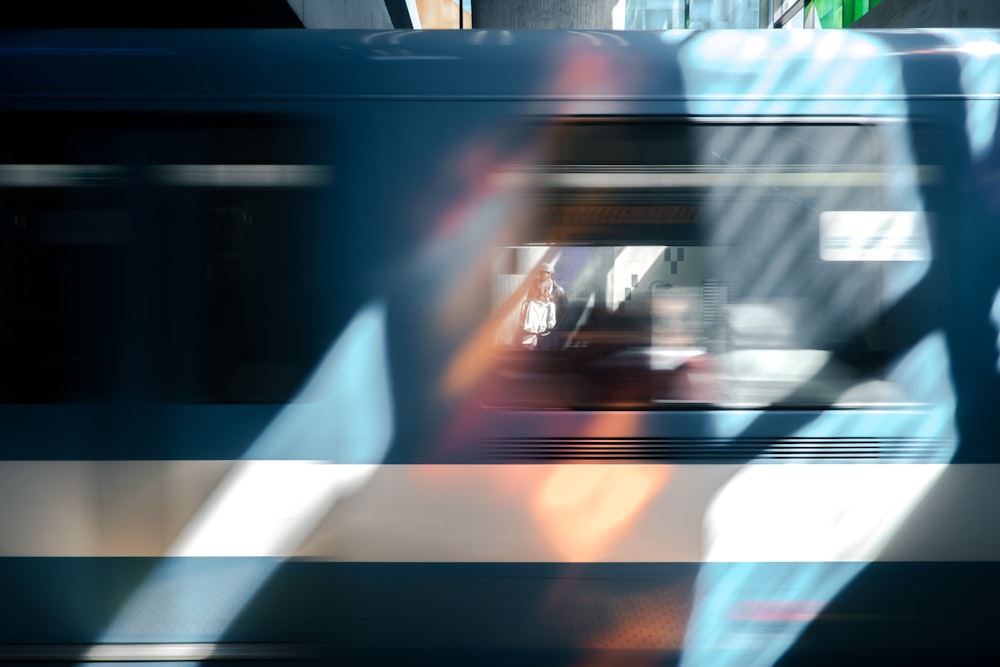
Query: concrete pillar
{"points": [[550, 14]]}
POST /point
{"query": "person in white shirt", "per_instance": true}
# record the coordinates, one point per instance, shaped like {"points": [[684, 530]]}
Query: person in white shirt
{"points": [[552, 339], [538, 314]]}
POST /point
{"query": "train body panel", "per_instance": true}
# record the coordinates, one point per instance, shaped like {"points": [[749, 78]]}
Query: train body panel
{"points": [[562, 346]]}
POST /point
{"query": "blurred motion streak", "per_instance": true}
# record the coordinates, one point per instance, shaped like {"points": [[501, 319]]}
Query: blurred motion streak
{"points": [[980, 79], [267, 508], [486, 215], [771, 611], [476, 358], [795, 535], [243, 175], [342, 423], [583, 508], [587, 72], [495, 206], [684, 327]]}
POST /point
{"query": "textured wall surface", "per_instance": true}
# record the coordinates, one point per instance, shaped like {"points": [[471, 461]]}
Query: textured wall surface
{"points": [[932, 14], [550, 14]]}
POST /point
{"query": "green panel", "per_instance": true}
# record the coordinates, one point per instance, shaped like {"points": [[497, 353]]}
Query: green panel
{"points": [[852, 10], [839, 13], [830, 13], [855, 9]]}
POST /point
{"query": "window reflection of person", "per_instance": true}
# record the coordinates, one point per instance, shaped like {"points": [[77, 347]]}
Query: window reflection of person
{"points": [[538, 314], [544, 277]]}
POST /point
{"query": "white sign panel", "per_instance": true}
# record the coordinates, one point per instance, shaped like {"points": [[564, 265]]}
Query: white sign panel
{"points": [[873, 236]]}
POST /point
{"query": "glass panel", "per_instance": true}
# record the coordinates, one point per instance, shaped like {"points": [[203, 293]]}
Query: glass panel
{"points": [[721, 14], [796, 20], [710, 264], [655, 14], [830, 13]]}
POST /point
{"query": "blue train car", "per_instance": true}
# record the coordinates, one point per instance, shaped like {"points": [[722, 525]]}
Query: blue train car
{"points": [[557, 348]]}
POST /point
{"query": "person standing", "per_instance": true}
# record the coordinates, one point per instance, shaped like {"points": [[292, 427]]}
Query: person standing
{"points": [[550, 340], [538, 315]]}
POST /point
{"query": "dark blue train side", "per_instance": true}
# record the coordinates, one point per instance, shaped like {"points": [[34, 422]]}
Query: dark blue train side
{"points": [[556, 347]]}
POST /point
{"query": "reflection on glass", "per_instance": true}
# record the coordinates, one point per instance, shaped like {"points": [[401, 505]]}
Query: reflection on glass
{"points": [[738, 265], [662, 325], [629, 331]]}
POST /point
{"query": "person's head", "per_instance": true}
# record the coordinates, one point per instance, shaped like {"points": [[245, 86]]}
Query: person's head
{"points": [[544, 272], [542, 290]]}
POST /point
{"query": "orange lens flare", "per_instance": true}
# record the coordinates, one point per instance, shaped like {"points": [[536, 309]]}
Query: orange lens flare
{"points": [[583, 508]]}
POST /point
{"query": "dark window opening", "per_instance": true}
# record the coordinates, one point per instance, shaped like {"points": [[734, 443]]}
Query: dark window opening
{"points": [[164, 257]]}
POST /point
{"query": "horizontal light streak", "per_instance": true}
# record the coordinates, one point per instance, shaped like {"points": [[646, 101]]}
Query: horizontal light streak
{"points": [[57, 175], [147, 652], [184, 175], [266, 508], [623, 178], [169, 652], [449, 513], [720, 450], [243, 175]]}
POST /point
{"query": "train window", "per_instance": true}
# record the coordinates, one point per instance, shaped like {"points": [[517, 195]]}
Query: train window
{"points": [[157, 255], [752, 264]]}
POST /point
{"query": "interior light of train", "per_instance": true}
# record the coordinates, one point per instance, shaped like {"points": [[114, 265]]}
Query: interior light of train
{"points": [[874, 236], [243, 175]]}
